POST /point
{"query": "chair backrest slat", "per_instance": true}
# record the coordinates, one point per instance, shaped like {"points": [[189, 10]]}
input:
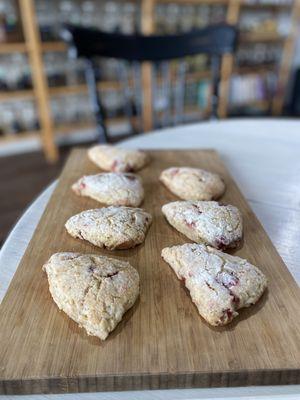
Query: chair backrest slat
{"points": [[179, 93], [215, 41]]}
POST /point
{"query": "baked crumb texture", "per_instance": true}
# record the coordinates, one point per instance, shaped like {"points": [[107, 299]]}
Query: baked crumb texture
{"points": [[206, 222], [95, 291], [219, 284], [111, 188], [114, 227], [192, 183], [115, 159]]}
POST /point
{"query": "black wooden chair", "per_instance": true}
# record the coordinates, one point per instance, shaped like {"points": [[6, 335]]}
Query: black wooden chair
{"points": [[91, 44]]}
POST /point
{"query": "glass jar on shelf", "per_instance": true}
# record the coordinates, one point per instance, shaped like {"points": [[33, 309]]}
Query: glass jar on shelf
{"points": [[160, 18], [47, 13], [202, 14], [112, 20], [17, 126], [188, 18], [55, 67], [12, 65], [11, 30], [3, 37], [28, 116], [127, 17], [71, 72], [171, 18], [83, 109], [69, 11], [3, 75], [6, 118], [57, 111], [113, 103], [25, 80], [88, 13], [217, 14], [100, 15]]}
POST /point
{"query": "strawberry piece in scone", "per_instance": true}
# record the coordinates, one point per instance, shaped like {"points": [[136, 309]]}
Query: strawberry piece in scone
{"points": [[219, 284], [206, 222]]}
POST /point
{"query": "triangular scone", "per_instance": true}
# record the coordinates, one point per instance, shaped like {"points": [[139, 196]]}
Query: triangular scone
{"points": [[111, 158], [114, 227], [207, 222], [219, 283], [192, 183], [111, 188], [95, 291]]}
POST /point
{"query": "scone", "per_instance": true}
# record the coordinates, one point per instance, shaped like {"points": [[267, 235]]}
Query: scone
{"points": [[111, 188], [94, 291], [219, 283], [111, 158], [207, 222], [192, 183], [114, 227]]}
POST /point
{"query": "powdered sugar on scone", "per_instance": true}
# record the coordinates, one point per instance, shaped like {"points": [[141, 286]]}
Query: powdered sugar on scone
{"points": [[114, 227], [111, 158], [206, 222], [95, 291], [219, 284], [111, 188], [193, 183]]}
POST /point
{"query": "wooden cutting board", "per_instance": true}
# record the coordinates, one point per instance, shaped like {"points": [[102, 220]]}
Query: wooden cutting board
{"points": [[162, 341]]}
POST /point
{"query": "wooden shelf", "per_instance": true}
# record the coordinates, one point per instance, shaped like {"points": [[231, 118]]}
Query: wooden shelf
{"points": [[54, 46], [260, 5], [198, 75], [18, 94], [193, 110], [68, 128], [18, 137], [67, 90], [255, 69], [13, 48], [263, 104], [185, 2], [261, 37], [78, 89], [114, 85]]}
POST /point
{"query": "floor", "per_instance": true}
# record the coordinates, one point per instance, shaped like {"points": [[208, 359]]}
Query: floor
{"points": [[22, 178]]}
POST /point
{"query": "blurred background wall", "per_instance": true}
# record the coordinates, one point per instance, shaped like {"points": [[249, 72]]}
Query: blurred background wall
{"points": [[43, 95]]}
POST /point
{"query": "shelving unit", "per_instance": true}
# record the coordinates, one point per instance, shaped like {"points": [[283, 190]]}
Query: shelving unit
{"points": [[42, 94], [25, 136], [259, 37], [13, 48], [53, 46], [17, 94]]}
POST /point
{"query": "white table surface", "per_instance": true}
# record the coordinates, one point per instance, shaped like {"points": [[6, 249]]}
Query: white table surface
{"points": [[263, 156]]}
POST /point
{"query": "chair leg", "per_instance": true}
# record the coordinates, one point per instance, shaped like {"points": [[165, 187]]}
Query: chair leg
{"points": [[215, 66], [179, 93], [90, 73]]}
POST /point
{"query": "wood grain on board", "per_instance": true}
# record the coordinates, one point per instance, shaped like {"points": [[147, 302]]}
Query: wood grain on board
{"points": [[162, 342]]}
